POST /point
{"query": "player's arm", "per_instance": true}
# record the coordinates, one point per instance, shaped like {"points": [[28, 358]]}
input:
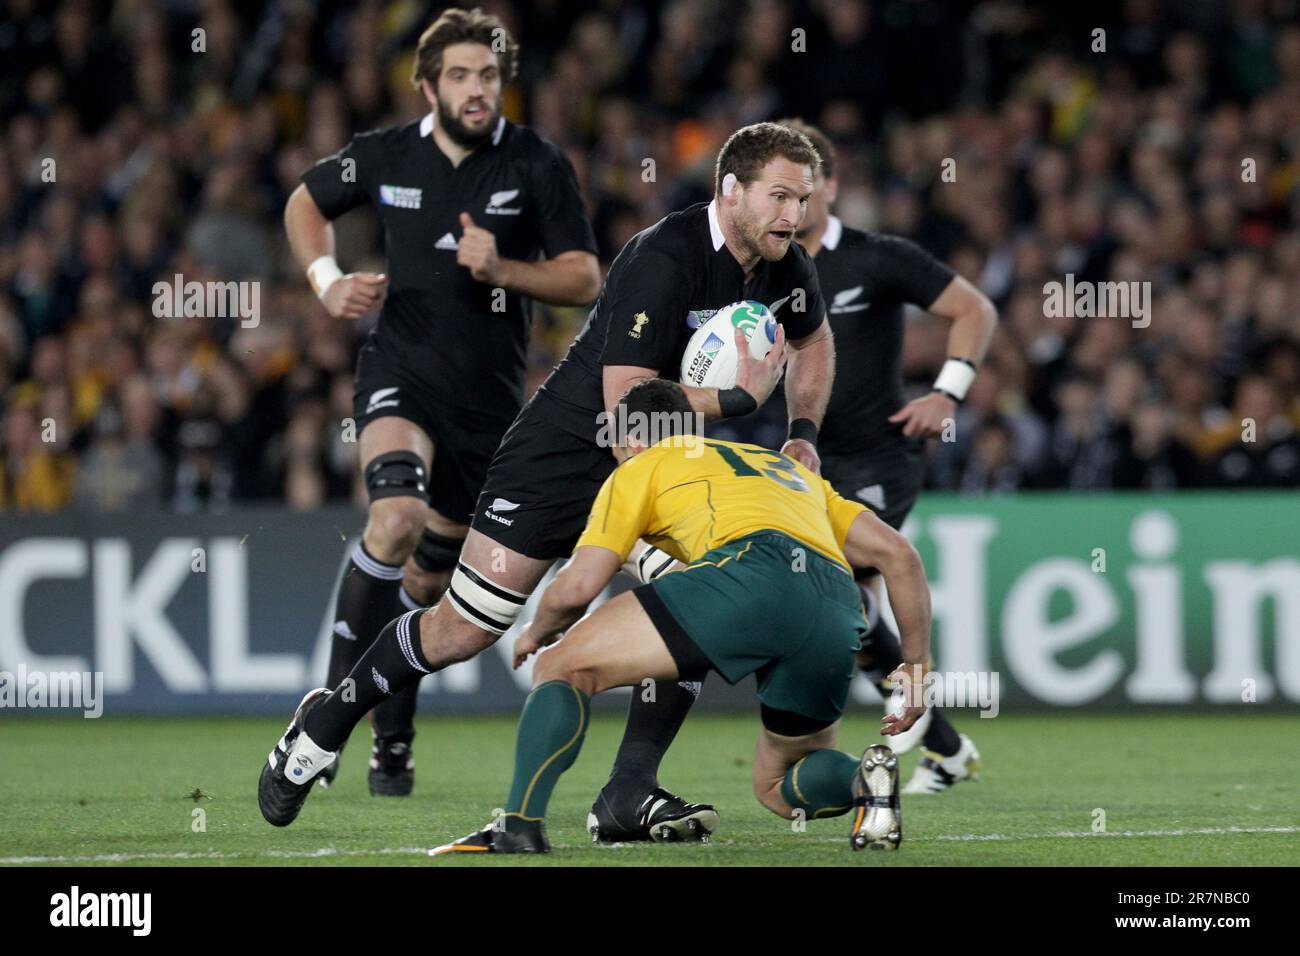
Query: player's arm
{"points": [[808, 379], [567, 597], [569, 273], [618, 518], [569, 278], [648, 297], [755, 381], [812, 364], [974, 320], [870, 543], [311, 237]]}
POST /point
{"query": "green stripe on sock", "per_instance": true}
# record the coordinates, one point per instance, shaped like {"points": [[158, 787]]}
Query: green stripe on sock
{"points": [[821, 784], [551, 729]]}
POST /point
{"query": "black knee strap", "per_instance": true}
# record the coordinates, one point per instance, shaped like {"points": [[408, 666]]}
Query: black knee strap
{"points": [[437, 552], [397, 474], [786, 723]]}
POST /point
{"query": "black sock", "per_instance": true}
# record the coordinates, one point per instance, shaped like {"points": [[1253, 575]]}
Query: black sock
{"points": [[367, 601], [880, 641], [395, 660], [395, 715], [651, 727], [940, 736]]}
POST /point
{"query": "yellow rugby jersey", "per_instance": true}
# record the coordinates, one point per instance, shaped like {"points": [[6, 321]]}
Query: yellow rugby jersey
{"points": [[689, 495]]}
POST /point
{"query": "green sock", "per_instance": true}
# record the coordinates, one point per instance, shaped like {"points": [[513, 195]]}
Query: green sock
{"points": [[821, 784], [551, 729]]}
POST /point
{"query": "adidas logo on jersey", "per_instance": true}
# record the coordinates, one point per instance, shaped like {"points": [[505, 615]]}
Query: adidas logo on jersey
{"points": [[872, 495], [843, 301], [448, 241], [497, 201], [381, 399]]}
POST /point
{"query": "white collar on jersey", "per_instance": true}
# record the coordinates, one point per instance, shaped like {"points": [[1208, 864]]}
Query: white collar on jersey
{"points": [[834, 231], [426, 127], [715, 227]]}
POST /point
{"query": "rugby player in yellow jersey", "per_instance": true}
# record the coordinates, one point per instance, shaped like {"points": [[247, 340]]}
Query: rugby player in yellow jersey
{"points": [[766, 590]]}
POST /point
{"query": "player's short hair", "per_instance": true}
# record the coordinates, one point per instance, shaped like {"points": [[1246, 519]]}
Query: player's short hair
{"points": [[464, 26], [750, 148], [821, 142], [657, 401]]}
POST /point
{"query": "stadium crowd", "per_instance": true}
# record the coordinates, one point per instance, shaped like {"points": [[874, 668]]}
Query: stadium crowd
{"points": [[143, 140]]}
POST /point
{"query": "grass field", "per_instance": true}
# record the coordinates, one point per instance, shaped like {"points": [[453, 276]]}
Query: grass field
{"points": [[1176, 790]]}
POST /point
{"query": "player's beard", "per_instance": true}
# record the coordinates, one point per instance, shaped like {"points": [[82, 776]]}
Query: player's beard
{"points": [[754, 235], [462, 135]]}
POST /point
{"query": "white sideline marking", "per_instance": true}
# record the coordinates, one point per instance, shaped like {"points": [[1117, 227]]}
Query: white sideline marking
{"points": [[1204, 831], [217, 855], [421, 851]]}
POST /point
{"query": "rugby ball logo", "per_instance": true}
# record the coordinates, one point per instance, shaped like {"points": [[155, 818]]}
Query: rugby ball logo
{"points": [[711, 358]]}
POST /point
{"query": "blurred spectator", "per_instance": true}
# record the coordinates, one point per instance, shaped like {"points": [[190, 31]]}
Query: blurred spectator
{"points": [[123, 469], [1259, 446], [1152, 458], [126, 161], [34, 474], [992, 467]]}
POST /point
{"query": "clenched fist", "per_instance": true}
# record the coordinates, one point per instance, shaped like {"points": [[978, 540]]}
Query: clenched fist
{"points": [[352, 296], [477, 251]]}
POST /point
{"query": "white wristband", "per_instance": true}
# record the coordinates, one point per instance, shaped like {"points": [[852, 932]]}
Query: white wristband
{"points": [[322, 274], [955, 378]]}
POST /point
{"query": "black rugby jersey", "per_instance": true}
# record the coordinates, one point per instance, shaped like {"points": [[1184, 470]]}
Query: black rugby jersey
{"points": [[437, 321], [867, 278], [668, 279]]}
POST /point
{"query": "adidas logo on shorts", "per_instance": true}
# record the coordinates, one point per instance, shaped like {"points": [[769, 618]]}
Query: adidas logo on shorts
{"points": [[872, 495]]}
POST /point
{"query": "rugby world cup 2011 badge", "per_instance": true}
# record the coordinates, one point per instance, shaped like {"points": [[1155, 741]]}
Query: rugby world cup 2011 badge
{"points": [[704, 358], [403, 197]]}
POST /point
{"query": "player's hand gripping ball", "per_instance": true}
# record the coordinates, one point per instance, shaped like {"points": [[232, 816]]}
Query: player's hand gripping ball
{"points": [[712, 356]]}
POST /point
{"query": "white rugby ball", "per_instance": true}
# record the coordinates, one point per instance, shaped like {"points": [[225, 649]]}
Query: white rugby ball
{"points": [[711, 359]]}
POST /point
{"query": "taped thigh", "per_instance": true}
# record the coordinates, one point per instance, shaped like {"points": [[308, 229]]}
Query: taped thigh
{"points": [[482, 602]]}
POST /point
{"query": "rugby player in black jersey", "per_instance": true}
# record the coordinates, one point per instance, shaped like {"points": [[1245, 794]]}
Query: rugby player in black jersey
{"points": [[872, 443], [552, 461], [469, 203]]}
